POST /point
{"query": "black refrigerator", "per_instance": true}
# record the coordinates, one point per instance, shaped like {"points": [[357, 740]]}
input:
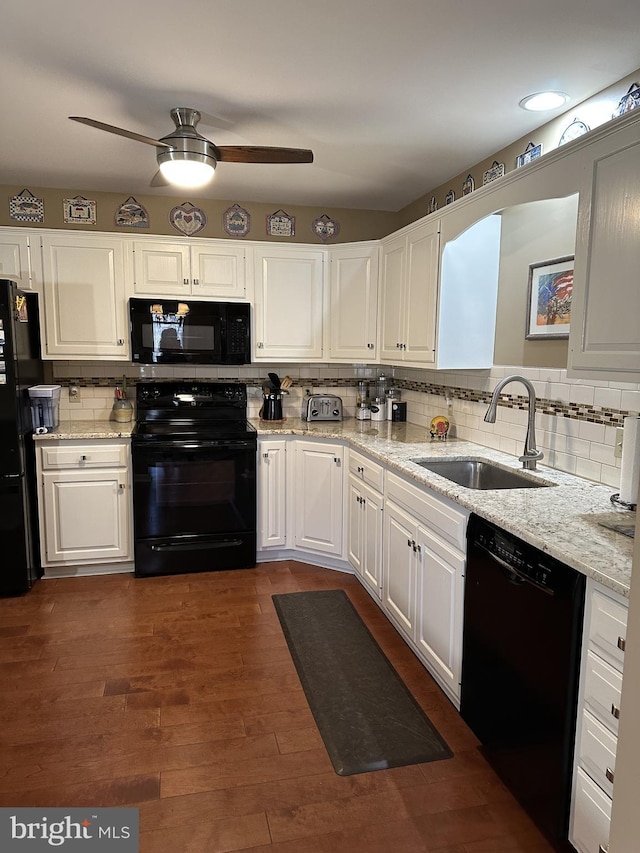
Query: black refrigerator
{"points": [[20, 367]]}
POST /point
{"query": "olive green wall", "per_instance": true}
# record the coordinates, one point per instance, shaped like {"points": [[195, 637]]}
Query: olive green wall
{"points": [[354, 224]]}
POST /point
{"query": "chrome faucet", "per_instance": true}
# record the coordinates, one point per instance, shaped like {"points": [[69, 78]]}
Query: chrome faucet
{"points": [[531, 453]]}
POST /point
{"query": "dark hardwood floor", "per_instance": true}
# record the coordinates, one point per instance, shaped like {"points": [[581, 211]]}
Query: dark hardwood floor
{"points": [[178, 695]]}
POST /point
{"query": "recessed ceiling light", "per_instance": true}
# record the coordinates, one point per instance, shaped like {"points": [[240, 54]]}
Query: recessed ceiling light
{"points": [[544, 101]]}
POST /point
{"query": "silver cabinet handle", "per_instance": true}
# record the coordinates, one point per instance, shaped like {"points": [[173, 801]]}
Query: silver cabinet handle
{"points": [[615, 711], [120, 487], [369, 346], [265, 455], [610, 774], [196, 281], [398, 346], [409, 542], [120, 342], [260, 345], [84, 458], [185, 281], [622, 643]]}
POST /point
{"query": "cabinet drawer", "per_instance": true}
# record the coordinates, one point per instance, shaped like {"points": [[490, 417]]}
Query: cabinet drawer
{"points": [[367, 470], [80, 456], [597, 752], [602, 689], [608, 627], [591, 816], [448, 520]]}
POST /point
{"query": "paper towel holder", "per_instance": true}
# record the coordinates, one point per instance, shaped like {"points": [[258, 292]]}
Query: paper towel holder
{"points": [[615, 499]]}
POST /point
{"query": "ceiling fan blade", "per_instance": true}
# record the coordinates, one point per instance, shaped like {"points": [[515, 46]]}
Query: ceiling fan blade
{"points": [[119, 131], [262, 154]]}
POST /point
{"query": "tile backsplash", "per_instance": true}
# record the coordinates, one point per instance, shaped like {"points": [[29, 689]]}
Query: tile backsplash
{"points": [[576, 420]]}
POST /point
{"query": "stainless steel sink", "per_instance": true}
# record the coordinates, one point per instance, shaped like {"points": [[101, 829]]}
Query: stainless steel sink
{"points": [[476, 474]]}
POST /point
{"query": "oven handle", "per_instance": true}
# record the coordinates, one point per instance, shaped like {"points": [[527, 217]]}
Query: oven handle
{"points": [[195, 546], [192, 445]]}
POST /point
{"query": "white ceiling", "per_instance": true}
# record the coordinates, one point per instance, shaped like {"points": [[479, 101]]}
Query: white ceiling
{"points": [[393, 98]]}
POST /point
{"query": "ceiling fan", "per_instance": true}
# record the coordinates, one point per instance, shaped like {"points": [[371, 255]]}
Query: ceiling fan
{"points": [[188, 159]]}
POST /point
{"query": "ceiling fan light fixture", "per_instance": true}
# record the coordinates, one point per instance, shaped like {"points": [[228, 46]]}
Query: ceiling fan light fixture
{"points": [[541, 101], [186, 170]]}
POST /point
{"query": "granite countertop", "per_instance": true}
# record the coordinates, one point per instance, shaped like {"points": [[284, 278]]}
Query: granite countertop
{"points": [[69, 430], [562, 520]]}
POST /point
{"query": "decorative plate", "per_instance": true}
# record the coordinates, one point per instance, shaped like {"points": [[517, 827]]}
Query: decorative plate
{"points": [[236, 221], [629, 101], [450, 197], [325, 228], [280, 224], [573, 131], [531, 152], [439, 427], [131, 213], [468, 185], [25, 207], [187, 218], [496, 171], [79, 210], [433, 205]]}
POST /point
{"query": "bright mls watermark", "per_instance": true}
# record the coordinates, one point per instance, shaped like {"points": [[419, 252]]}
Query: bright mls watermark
{"points": [[74, 830]]}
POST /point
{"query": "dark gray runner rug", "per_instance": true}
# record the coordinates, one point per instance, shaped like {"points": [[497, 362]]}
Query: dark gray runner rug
{"points": [[367, 717]]}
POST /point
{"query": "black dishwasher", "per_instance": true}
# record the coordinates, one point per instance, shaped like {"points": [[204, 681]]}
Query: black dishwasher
{"points": [[523, 615]]}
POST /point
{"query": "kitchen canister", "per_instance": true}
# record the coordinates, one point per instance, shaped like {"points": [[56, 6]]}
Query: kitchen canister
{"points": [[379, 409], [398, 411]]}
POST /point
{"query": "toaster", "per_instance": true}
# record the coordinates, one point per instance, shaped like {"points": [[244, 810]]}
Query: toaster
{"points": [[321, 407]]}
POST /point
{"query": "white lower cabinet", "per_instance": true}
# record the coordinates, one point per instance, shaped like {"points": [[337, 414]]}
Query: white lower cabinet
{"points": [[423, 576], [605, 627], [318, 497], [272, 493], [364, 519], [84, 492]]}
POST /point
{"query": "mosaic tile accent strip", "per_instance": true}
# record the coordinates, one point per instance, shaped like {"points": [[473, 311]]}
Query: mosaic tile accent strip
{"points": [[575, 411]]}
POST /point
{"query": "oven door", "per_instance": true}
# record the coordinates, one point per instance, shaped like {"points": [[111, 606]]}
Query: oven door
{"points": [[194, 505]]}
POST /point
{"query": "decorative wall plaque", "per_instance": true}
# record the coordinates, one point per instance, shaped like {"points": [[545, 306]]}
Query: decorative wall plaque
{"points": [[25, 207], [496, 171], [573, 131], [433, 205], [450, 197], [132, 214], [187, 218], [531, 152], [236, 221], [79, 210], [280, 224], [325, 228], [468, 185], [629, 101]]}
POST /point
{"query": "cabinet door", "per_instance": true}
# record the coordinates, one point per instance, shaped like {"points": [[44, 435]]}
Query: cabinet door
{"points": [[421, 289], [289, 304], [318, 497], [604, 334], [218, 271], [15, 258], [84, 297], [85, 516], [372, 540], [399, 568], [355, 522], [353, 303], [161, 269], [440, 591], [272, 469], [392, 276]]}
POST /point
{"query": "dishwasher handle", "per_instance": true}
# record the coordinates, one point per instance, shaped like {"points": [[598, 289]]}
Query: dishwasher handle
{"points": [[511, 572]]}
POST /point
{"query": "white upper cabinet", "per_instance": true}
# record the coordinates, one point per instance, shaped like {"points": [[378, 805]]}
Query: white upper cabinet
{"points": [[289, 303], [353, 302], [15, 258], [409, 289], [604, 339], [208, 269], [84, 297]]}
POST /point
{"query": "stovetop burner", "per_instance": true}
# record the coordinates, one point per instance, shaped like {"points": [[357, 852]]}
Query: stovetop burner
{"points": [[183, 411]]}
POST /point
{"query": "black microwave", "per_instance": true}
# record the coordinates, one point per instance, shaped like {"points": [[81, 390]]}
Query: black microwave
{"points": [[173, 331]]}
